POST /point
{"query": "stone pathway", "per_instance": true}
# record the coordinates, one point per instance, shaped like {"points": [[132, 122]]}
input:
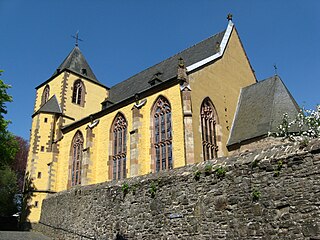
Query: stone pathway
{"points": [[11, 235]]}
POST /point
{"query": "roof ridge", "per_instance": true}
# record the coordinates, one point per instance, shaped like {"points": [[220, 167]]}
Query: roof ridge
{"points": [[273, 102], [177, 54]]}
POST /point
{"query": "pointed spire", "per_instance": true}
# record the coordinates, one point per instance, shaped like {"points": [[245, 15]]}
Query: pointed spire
{"points": [[77, 63]]}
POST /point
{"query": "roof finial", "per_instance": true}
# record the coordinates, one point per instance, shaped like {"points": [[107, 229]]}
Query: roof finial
{"points": [[181, 62], [275, 70], [229, 17], [77, 38]]}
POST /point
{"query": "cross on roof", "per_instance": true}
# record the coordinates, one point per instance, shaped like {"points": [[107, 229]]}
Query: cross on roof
{"points": [[275, 69], [77, 38]]}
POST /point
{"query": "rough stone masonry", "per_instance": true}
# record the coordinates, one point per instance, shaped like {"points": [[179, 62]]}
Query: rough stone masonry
{"points": [[271, 193]]}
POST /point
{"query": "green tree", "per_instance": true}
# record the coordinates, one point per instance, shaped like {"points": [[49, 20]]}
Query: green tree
{"points": [[8, 145], [8, 150], [8, 189]]}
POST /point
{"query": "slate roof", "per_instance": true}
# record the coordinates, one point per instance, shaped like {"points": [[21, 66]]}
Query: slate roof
{"points": [[75, 62], [260, 110], [51, 106], [164, 70]]}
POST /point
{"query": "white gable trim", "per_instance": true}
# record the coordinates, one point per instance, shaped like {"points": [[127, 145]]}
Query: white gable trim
{"points": [[223, 46]]}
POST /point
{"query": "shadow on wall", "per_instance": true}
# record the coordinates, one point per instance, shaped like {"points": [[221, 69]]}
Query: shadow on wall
{"points": [[120, 237], [29, 188]]}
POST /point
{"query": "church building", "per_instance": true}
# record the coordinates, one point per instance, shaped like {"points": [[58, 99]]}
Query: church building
{"points": [[200, 104]]}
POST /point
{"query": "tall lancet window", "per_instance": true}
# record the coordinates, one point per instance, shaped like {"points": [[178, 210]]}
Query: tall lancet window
{"points": [[45, 95], [208, 128], [162, 134], [76, 151], [119, 144], [78, 93]]}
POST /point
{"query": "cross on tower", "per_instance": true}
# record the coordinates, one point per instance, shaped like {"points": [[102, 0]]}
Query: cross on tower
{"points": [[77, 38], [275, 69]]}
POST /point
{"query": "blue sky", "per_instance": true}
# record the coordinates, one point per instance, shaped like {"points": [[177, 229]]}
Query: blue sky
{"points": [[121, 38]]}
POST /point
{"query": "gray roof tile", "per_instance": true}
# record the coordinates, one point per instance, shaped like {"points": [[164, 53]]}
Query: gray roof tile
{"points": [[164, 70], [260, 110], [76, 62], [51, 106]]}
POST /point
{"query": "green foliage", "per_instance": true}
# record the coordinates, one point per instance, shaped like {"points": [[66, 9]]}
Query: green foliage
{"points": [[197, 175], [208, 169], [153, 189], [134, 189], [276, 172], [280, 165], [254, 164], [8, 189], [8, 148], [125, 188], [4, 98], [256, 194], [220, 172], [8, 145]]}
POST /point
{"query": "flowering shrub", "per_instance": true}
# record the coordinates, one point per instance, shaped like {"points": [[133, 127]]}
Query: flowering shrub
{"points": [[305, 126]]}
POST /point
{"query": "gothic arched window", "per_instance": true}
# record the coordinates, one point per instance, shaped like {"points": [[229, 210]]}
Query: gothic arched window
{"points": [[208, 127], [78, 93], [162, 134], [119, 147], [76, 151], [45, 95]]}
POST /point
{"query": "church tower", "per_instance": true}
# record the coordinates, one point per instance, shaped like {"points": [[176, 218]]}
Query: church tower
{"points": [[71, 93]]}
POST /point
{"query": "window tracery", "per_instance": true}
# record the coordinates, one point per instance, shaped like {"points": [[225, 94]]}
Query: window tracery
{"points": [[119, 156], [45, 95], [77, 147], [208, 128], [162, 135], [78, 93]]}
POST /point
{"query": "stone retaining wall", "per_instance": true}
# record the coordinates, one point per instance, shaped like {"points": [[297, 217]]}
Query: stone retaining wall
{"points": [[265, 194]]}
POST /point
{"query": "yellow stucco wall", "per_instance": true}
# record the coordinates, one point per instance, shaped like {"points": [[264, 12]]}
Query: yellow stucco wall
{"points": [[95, 94], [221, 82], [99, 157], [38, 161], [41, 131], [55, 88]]}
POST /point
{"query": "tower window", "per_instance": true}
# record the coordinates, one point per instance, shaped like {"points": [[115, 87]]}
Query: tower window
{"points": [[45, 95], [45, 120], [42, 148], [119, 140], [208, 127], [78, 93], [36, 204], [39, 175], [162, 134]]}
